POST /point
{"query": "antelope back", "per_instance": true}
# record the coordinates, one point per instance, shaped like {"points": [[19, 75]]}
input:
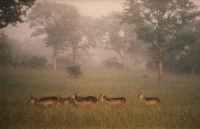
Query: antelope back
{"points": [[65, 101], [152, 101], [112, 101], [149, 101], [45, 101], [83, 101]]}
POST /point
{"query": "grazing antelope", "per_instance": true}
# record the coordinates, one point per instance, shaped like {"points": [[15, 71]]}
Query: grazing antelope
{"points": [[83, 101], [112, 101], [66, 101], [45, 101], [148, 101]]}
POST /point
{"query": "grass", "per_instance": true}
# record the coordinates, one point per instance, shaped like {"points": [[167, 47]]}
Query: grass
{"points": [[180, 94]]}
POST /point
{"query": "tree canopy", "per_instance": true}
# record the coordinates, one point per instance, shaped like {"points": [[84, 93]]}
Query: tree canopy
{"points": [[11, 11], [159, 22], [57, 22]]}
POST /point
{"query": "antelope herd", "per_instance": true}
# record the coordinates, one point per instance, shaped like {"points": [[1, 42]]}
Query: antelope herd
{"points": [[77, 100]]}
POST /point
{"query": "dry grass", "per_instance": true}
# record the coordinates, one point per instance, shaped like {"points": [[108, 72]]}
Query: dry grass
{"points": [[179, 93]]}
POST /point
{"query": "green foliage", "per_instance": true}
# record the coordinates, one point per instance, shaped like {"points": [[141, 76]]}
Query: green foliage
{"points": [[5, 51], [54, 19], [161, 22], [74, 70], [12, 11]]}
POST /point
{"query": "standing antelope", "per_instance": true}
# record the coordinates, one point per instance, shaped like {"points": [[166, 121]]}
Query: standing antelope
{"points": [[148, 101], [45, 101], [112, 101], [65, 101], [83, 101]]}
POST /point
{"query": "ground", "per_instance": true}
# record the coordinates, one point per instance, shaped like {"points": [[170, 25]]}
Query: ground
{"points": [[179, 94]]}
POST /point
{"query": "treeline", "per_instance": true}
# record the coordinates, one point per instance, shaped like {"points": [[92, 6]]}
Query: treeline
{"points": [[164, 34], [8, 58]]}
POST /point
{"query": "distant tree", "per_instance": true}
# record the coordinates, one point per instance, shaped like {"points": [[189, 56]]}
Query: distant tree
{"points": [[159, 22], [11, 11], [82, 37], [189, 57], [57, 22], [5, 50], [117, 36]]}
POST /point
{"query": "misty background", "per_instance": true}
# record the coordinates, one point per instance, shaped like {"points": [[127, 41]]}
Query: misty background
{"points": [[24, 44]]}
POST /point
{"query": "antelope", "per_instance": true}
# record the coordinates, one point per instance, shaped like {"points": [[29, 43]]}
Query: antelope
{"points": [[148, 101], [65, 101], [83, 101], [45, 101], [112, 101]]}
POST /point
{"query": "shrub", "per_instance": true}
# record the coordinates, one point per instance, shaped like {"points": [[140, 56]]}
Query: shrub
{"points": [[149, 65], [74, 70], [112, 62], [27, 61]]}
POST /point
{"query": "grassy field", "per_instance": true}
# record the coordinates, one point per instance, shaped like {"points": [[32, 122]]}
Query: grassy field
{"points": [[180, 94]]}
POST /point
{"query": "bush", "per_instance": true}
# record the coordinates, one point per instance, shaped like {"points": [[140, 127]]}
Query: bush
{"points": [[149, 65], [74, 70], [27, 61], [112, 63]]}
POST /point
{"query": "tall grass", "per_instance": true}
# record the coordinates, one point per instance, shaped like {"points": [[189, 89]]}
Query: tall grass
{"points": [[180, 94]]}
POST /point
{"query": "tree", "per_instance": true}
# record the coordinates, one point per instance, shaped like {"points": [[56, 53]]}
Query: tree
{"points": [[189, 57], [5, 51], [117, 36], [82, 37], [57, 22], [159, 22], [11, 11]]}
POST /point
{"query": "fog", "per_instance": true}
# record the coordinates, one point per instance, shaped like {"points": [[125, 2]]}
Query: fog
{"points": [[94, 8]]}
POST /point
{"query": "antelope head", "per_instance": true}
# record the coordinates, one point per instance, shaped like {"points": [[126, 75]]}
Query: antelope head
{"points": [[141, 96], [32, 100], [101, 97]]}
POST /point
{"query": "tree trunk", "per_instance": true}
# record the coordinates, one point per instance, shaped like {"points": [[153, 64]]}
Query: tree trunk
{"points": [[74, 56], [54, 63], [192, 70], [54, 59], [125, 62], [160, 60]]}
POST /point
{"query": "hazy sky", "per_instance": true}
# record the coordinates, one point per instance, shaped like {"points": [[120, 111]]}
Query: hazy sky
{"points": [[94, 8]]}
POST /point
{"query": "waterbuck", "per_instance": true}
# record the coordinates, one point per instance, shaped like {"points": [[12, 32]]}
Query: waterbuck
{"points": [[83, 101], [45, 101], [148, 101], [66, 101], [112, 101]]}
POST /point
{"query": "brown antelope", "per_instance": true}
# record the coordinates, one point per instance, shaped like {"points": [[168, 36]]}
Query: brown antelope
{"points": [[112, 101], [45, 101], [148, 101], [66, 101], [83, 101]]}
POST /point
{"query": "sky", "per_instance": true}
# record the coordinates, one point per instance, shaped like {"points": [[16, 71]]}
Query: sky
{"points": [[94, 8]]}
